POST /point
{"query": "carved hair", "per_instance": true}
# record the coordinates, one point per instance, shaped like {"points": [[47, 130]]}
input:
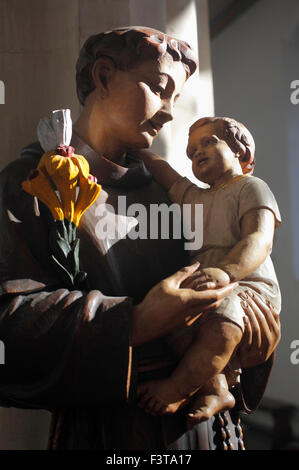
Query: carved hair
{"points": [[237, 137], [126, 47]]}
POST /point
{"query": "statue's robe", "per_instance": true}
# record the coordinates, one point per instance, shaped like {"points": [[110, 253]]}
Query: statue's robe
{"points": [[68, 351]]}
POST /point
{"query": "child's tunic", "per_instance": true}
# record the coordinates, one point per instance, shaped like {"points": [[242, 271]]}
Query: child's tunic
{"points": [[223, 209]]}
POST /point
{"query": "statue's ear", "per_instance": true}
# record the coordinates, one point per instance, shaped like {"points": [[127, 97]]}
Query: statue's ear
{"points": [[103, 71]]}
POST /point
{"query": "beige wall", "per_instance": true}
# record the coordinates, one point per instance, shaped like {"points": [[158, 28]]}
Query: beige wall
{"points": [[39, 44], [38, 48], [254, 61]]}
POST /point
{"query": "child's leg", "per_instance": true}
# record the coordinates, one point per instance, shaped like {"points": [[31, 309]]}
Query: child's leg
{"points": [[207, 356]]}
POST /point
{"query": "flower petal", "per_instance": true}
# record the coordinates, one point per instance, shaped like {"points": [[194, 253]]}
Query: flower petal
{"points": [[82, 164], [54, 163], [44, 159], [40, 187], [67, 191], [88, 194]]}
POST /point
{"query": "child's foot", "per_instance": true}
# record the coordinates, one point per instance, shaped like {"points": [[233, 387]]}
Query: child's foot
{"points": [[211, 399], [160, 397], [206, 406]]}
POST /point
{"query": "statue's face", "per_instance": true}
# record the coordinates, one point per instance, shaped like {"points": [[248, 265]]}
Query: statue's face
{"points": [[140, 101], [210, 155]]}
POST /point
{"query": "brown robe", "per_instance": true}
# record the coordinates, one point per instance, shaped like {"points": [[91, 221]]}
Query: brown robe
{"points": [[69, 351]]}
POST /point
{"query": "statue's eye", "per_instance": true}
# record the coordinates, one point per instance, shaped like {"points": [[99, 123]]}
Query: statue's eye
{"points": [[157, 89]]}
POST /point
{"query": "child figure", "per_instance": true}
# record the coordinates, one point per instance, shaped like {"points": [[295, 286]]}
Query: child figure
{"points": [[240, 215]]}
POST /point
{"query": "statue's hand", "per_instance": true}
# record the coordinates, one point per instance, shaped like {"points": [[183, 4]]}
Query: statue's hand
{"points": [[168, 306], [204, 276], [262, 331]]}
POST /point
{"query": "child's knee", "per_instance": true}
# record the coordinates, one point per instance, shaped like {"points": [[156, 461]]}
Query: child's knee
{"points": [[230, 332]]}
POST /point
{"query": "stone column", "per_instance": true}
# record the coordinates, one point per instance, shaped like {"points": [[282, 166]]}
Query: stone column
{"points": [[188, 20]]}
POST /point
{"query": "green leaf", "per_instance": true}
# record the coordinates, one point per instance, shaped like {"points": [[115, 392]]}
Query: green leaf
{"points": [[72, 232], [64, 247], [75, 259], [64, 228], [65, 252], [64, 273]]}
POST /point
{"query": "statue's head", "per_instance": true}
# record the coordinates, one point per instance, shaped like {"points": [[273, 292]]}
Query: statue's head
{"points": [[127, 48], [234, 133]]}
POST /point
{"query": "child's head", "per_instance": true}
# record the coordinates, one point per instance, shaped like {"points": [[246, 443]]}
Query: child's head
{"points": [[218, 146]]}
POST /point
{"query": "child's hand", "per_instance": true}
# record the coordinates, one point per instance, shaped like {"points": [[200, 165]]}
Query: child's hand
{"points": [[145, 155], [208, 275]]}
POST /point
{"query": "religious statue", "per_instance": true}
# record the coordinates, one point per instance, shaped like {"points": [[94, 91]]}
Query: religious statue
{"points": [[80, 346]]}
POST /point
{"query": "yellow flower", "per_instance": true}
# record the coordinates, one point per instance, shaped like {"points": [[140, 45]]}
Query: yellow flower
{"points": [[39, 185], [64, 171], [65, 166], [67, 191], [89, 191]]}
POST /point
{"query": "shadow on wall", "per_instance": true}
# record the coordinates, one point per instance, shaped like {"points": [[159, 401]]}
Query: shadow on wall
{"points": [[24, 429], [274, 426]]}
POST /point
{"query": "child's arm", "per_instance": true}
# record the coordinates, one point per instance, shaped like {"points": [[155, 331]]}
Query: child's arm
{"points": [[159, 168], [257, 230]]}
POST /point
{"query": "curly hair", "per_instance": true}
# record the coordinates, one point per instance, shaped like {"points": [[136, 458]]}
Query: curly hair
{"points": [[126, 47], [237, 137]]}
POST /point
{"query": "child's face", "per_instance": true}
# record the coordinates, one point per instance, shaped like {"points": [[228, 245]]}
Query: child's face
{"points": [[211, 156]]}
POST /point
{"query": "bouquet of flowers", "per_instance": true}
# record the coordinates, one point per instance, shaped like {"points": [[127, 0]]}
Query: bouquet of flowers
{"points": [[62, 182]]}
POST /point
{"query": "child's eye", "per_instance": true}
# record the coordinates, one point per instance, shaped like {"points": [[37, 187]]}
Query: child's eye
{"points": [[190, 154], [210, 141]]}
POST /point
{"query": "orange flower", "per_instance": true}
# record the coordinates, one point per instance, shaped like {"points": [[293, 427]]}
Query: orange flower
{"points": [[39, 185], [64, 171], [67, 167], [89, 191]]}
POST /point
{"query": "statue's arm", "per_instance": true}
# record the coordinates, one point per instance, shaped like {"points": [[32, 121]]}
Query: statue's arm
{"points": [[72, 347], [65, 347]]}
